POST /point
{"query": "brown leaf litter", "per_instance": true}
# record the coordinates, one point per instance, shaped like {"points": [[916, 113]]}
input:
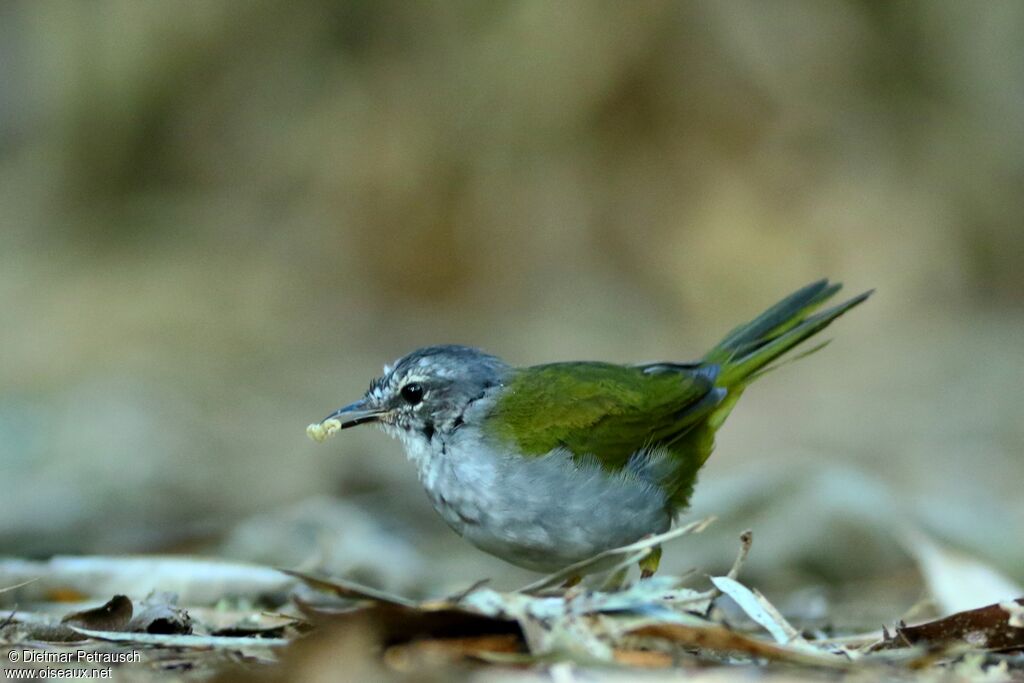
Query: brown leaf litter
{"points": [[662, 623]]}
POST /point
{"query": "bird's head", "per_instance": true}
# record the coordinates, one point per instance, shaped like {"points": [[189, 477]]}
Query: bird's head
{"points": [[422, 394]]}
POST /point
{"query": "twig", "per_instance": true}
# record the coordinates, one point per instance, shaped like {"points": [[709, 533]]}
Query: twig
{"points": [[10, 617], [579, 568], [746, 541], [19, 585]]}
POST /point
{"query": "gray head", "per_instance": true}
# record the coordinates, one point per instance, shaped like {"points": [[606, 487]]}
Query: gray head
{"points": [[425, 392]]}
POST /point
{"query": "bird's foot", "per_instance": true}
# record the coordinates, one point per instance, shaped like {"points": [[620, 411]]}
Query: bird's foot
{"points": [[572, 581], [649, 565]]}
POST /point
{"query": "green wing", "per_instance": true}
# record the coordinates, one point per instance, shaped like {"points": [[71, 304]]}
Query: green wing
{"points": [[607, 411]]}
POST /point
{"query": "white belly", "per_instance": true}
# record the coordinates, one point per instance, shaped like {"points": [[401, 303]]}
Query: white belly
{"points": [[542, 513]]}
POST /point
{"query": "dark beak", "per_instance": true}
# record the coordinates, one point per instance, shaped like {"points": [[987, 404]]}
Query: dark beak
{"points": [[354, 414]]}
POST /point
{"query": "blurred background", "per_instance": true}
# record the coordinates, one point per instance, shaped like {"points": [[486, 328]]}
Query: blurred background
{"points": [[219, 219]]}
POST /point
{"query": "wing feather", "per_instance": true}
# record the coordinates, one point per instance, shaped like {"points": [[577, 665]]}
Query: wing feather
{"points": [[601, 410]]}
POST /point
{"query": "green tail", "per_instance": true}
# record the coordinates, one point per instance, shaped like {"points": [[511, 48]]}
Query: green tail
{"points": [[747, 352]]}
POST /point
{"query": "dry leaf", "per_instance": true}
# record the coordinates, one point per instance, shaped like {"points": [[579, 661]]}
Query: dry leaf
{"points": [[157, 613], [644, 659], [350, 590], [760, 610], [607, 559], [182, 641], [957, 581], [409, 657], [1016, 612], [722, 640], [984, 628], [197, 581], [112, 616]]}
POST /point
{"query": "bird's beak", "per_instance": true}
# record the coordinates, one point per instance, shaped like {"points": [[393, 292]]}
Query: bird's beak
{"points": [[355, 414]]}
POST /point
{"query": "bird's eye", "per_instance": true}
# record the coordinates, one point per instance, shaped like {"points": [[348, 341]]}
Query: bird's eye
{"points": [[412, 393]]}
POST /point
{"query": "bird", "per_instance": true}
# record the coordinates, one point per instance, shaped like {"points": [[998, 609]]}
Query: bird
{"points": [[548, 465]]}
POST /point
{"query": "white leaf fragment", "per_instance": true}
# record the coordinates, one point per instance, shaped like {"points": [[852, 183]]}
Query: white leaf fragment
{"points": [[183, 641], [1016, 612], [759, 609]]}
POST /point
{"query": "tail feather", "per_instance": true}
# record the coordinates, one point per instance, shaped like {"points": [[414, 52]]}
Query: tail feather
{"points": [[747, 351]]}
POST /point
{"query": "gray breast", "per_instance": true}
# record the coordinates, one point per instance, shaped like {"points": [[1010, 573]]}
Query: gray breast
{"points": [[541, 513]]}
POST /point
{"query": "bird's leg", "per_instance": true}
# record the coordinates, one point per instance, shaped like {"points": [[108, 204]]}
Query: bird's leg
{"points": [[649, 564], [616, 580]]}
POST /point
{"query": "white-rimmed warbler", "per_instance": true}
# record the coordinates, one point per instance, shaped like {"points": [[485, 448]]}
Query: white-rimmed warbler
{"points": [[548, 465]]}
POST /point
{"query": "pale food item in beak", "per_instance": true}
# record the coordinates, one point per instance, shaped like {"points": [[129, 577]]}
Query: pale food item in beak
{"points": [[319, 431]]}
